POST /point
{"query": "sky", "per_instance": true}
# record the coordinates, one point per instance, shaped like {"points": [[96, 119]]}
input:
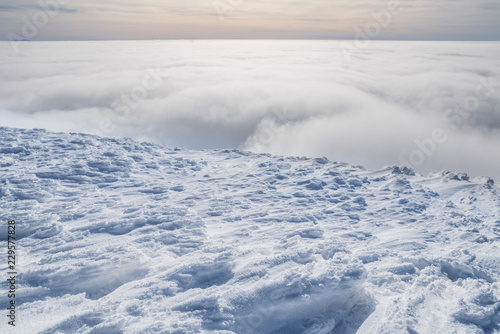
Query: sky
{"points": [[245, 19], [432, 106]]}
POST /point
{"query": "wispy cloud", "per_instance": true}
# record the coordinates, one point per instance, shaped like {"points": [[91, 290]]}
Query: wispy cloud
{"points": [[152, 19], [28, 7]]}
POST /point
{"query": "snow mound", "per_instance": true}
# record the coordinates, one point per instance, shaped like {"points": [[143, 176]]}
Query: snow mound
{"points": [[117, 236]]}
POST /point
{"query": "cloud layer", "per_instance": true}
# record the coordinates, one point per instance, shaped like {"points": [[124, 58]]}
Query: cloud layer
{"points": [[376, 105]]}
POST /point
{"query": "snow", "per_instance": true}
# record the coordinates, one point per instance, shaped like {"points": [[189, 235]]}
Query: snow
{"points": [[119, 236]]}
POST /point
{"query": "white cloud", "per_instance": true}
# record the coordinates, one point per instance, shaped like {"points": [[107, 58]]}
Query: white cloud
{"points": [[299, 98]]}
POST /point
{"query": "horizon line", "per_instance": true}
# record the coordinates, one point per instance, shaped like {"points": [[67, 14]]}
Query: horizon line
{"points": [[249, 39]]}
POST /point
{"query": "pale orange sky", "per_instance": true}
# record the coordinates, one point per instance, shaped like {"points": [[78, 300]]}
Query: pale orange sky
{"points": [[288, 19]]}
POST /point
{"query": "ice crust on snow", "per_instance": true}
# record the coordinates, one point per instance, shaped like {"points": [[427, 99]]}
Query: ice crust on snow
{"points": [[118, 236]]}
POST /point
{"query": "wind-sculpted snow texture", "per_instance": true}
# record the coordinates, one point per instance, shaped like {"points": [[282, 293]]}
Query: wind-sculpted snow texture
{"points": [[117, 236]]}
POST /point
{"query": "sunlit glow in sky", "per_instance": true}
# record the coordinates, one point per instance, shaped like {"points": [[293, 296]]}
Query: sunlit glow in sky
{"points": [[256, 19]]}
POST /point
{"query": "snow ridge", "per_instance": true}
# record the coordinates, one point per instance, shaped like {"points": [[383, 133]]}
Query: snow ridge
{"points": [[118, 236]]}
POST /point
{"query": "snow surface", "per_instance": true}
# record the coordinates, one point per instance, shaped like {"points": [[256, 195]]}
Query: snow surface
{"points": [[118, 236]]}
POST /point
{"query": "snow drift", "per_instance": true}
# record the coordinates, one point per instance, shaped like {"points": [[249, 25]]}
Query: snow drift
{"points": [[119, 236]]}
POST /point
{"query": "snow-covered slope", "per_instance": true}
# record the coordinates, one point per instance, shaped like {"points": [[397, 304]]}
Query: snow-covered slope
{"points": [[118, 236]]}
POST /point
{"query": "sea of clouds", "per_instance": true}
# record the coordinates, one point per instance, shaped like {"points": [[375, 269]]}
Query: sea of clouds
{"points": [[430, 105]]}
